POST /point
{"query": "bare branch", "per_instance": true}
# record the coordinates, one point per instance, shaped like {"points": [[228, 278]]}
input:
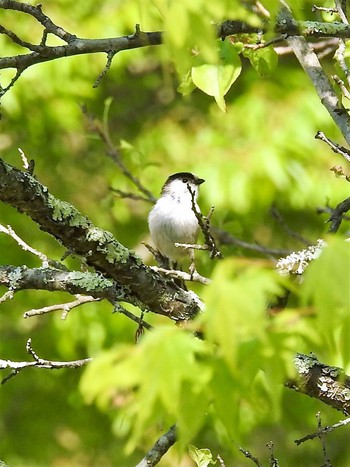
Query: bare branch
{"points": [[273, 462], [9, 231], [18, 41], [278, 217], [312, 67], [225, 238], [342, 87], [162, 445], [38, 362], [129, 195], [110, 56], [321, 437], [36, 12], [250, 456], [191, 246], [74, 45], [321, 8], [195, 277], [114, 153], [345, 152], [7, 296], [325, 430], [204, 224], [65, 307], [139, 320]]}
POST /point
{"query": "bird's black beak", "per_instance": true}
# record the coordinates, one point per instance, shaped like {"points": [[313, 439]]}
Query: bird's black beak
{"points": [[199, 181]]}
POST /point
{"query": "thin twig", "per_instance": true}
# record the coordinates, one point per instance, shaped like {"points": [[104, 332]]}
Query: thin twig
{"points": [[329, 210], [312, 67], [322, 8], [250, 456], [263, 45], [204, 222], [191, 246], [342, 86], [114, 153], [327, 429], [195, 277], [7, 296], [9, 231], [120, 309], [38, 362], [226, 238], [273, 462], [334, 146], [65, 307], [341, 10], [321, 437], [221, 461], [278, 217], [128, 195], [110, 56]]}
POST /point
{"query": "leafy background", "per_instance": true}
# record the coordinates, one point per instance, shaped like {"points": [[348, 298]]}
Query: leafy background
{"points": [[228, 389]]}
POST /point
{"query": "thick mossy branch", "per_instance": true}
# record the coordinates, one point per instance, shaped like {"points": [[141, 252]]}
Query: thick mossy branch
{"points": [[100, 249], [74, 282], [327, 383]]}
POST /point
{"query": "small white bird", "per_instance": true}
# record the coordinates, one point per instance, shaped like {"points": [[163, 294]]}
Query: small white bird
{"points": [[172, 219]]}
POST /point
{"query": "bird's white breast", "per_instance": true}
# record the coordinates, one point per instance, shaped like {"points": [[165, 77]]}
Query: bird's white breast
{"points": [[171, 221]]}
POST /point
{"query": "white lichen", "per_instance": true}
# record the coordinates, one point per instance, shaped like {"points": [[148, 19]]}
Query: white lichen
{"points": [[297, 262]]}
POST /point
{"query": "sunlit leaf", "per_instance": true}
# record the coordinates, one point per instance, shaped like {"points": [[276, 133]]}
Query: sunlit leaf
{"points": [[263, 60], [216, 79], [202, 457], [326, 287]]}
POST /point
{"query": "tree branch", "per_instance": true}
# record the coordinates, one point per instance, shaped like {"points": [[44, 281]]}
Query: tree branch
{"points": [[74, 282], [312, 67], [159, 449], [74, 45], [38, 362], [100, 249], [337, 215], [325, 430], [284, 27], [344, 152], [326, 383]]}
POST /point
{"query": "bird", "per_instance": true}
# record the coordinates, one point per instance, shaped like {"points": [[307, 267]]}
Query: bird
{"points": [[172, 219]]}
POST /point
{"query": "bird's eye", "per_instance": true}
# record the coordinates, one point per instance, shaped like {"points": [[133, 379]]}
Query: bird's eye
{"points": [[185, 180]]}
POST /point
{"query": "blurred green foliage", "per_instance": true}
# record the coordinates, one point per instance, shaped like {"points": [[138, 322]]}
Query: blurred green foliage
{"points": [[227, 389]]}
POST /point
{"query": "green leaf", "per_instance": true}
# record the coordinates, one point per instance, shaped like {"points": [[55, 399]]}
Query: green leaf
{"points": [[236, 305], [163, 375], [264, 60], [326, 280], [216, 79], [186, 86], [193, 404], [326, 288], [202, 457]]}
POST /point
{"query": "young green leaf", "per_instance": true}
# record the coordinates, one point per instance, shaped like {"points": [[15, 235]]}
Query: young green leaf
{"points": [[264, 60], [216, 79], [202, 457]]}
